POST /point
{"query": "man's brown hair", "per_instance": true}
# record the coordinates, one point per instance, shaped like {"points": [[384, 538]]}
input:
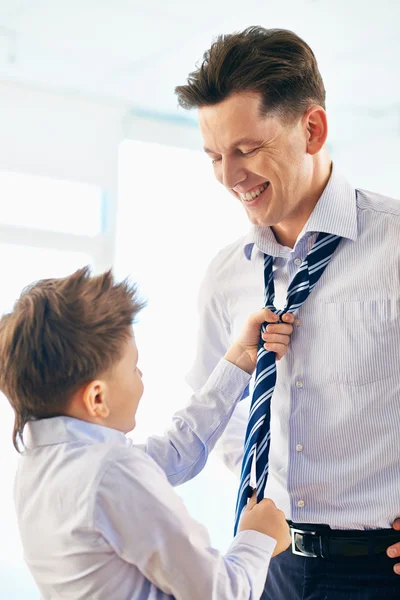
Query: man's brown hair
{"points": [[275, 63], [62, 334]]}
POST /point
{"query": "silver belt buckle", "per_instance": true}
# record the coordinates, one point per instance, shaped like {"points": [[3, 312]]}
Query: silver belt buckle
{"points": [[293, 531]]}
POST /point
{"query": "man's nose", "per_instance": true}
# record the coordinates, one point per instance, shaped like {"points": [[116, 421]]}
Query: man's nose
{"points": [[232, 174]]}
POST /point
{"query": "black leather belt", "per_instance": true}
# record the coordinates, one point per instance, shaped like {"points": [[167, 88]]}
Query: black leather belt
{"points": [[320, 541]]}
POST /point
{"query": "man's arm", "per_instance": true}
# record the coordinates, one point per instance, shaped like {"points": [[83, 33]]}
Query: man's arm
{"points": [[213, 340], [214, 331]]}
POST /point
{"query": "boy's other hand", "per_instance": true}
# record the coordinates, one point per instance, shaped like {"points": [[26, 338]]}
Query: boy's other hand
{"points": [[266, 518]]}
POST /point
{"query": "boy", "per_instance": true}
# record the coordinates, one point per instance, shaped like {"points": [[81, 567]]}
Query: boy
{"points": [[97, 516]]}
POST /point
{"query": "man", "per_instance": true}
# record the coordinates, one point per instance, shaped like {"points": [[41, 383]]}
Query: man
{"points": [[334, 461]]}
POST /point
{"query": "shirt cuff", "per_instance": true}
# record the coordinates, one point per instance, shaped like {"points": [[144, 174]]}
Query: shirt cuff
{"points": [[258, 540], [228, 379]]}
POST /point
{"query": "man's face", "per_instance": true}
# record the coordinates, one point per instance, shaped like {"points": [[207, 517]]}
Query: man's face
{"points": [[261, 161]]}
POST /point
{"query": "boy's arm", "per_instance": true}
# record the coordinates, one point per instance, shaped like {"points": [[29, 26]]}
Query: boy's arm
{"points": [[147, 525], [182, 452]]}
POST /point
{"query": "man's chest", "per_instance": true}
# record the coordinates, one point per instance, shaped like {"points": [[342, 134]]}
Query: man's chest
{"points": [[348, 330]]}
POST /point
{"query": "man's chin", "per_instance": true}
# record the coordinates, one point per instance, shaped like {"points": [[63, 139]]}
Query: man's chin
{"points": [[260, 220]]}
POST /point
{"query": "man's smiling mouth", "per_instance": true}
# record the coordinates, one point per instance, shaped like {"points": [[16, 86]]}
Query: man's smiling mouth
{"points": [[250, 196]]}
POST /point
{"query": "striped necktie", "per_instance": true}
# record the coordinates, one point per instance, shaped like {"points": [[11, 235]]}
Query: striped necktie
{"points": [[257, 440]]}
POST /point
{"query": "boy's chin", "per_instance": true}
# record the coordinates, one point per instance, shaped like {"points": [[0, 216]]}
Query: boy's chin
{"points": [[130, 426]]}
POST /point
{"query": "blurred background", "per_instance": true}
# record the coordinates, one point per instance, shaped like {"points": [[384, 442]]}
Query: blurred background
{"points": [[98, 166]]}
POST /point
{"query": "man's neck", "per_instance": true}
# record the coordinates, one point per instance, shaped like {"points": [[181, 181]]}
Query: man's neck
{"points": [[288, 231]]}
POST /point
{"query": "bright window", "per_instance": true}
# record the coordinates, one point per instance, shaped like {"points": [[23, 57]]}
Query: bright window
{"points": [[28, 203], [50, 204], [173, 218]]}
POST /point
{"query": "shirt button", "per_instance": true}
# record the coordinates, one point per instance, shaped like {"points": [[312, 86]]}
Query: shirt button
{"points": [[297, 322], [299, 384], [297, 261], [300, 504], [299, 448]]}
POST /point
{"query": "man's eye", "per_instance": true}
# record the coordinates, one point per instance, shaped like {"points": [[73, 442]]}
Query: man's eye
{"points": [[215, 160], [251, 152]]}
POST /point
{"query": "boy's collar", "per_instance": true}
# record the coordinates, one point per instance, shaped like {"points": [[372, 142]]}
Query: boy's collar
{"points": [[62, 430]]}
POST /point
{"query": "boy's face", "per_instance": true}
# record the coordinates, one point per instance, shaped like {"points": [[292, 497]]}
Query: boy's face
{"points": [[124, 389]]}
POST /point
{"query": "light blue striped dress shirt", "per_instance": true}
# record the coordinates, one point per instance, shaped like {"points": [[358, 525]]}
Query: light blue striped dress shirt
{"points": [[99, 519], [335, 425]]}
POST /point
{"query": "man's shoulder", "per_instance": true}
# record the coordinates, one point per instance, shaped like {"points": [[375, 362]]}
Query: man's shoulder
{"points": [[229, 258], [378, 203]]}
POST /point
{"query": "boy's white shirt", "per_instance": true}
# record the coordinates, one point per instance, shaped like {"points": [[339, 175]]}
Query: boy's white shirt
{"points": [[99, 519]]}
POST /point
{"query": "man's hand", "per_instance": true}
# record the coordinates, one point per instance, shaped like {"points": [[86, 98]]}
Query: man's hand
{"points": [[266, 518], [243, 352], [394, 551]]}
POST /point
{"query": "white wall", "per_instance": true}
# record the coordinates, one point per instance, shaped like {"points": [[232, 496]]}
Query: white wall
{"points": [[61, 136], [366, 146], [65, 137], [75, 138]]}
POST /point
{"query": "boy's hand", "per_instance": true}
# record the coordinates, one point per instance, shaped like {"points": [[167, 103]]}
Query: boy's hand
{"points": [[266, 518], [243, 352]]}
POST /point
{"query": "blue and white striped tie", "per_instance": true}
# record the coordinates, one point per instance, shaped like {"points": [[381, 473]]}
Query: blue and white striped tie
{"points": [[257, 440]]}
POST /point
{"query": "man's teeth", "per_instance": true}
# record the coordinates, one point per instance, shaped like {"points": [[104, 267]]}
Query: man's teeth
{"points": [[254, 193]]}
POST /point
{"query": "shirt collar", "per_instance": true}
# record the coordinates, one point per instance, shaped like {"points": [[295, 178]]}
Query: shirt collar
{"points": [[62, 430], [335, 213]]}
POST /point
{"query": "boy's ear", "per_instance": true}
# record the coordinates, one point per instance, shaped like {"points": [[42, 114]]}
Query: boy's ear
{"points": [[94, 398]]}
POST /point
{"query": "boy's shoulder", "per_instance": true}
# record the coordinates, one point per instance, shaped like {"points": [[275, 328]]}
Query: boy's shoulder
{"points": [[130, 485], [127, 465]]}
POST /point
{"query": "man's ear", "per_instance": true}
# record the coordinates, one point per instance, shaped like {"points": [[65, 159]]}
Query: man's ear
{"points": [[94, 398], [316, 125]]}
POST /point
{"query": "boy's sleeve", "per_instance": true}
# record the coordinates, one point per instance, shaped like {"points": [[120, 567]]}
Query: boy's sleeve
{"points": [[183, 450], [146, 523]]}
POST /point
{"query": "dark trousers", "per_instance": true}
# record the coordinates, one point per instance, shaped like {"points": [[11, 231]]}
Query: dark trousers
{"points": [[293, 577]]}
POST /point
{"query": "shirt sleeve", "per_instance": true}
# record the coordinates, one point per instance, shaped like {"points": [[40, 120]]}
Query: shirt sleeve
{"points": [[183, 450], [147, 525], [213, 340], [214, 333]]}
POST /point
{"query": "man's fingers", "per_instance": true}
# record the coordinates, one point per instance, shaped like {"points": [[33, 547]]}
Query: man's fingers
{"points": [[396, 524], [393, 551]]}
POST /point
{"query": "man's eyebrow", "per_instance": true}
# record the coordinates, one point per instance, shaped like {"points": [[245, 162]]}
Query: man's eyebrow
{"points": [[240, 142]]}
